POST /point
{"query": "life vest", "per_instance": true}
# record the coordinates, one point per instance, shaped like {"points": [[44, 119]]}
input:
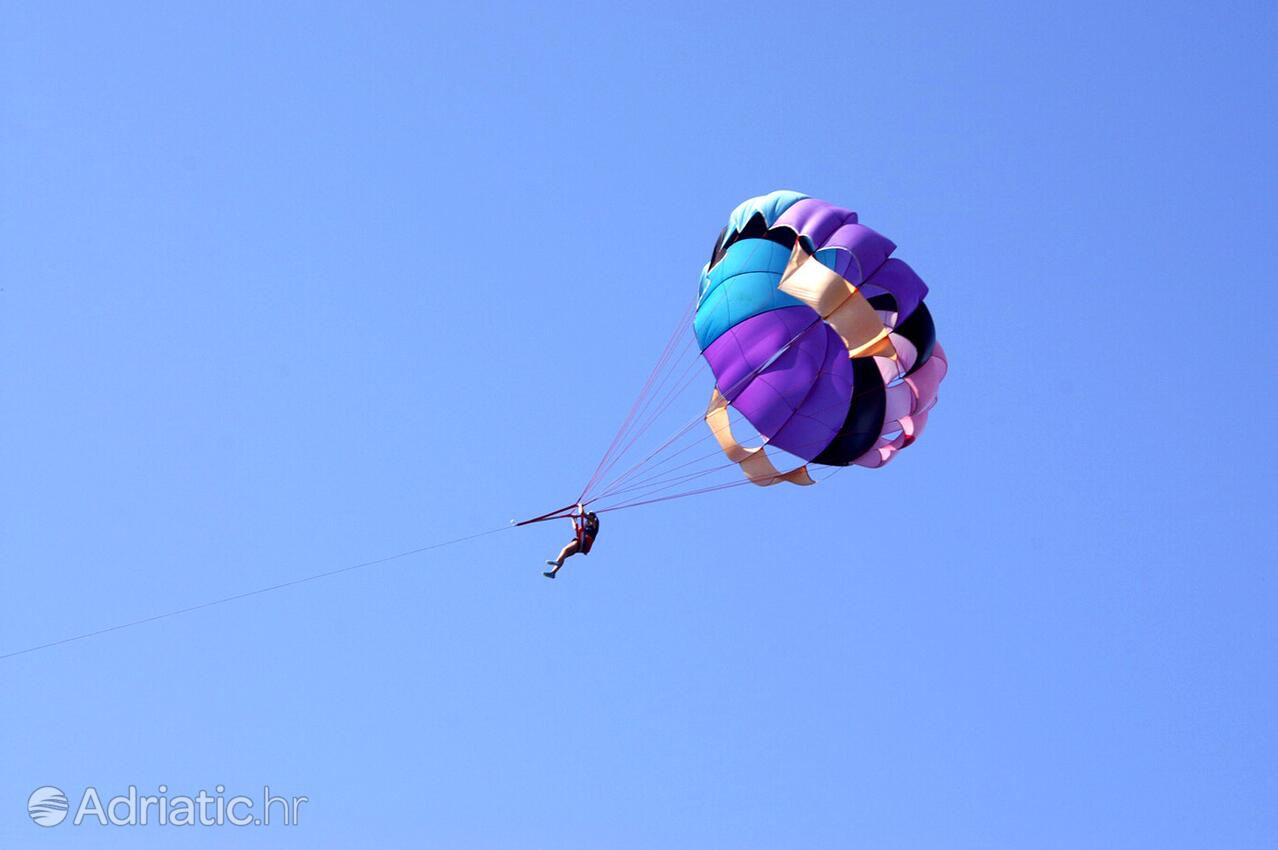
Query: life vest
{"points": [[587, 528]]}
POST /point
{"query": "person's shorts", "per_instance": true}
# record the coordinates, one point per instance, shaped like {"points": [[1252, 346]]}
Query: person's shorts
{"points": [[586, 542]]}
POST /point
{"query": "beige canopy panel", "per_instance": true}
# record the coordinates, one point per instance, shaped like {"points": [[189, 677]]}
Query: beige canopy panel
{"points": [[754, 462], [837, 301]]}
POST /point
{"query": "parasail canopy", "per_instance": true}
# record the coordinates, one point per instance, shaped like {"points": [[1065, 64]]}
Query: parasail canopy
{"points": [[816, 335], [821, 354]]}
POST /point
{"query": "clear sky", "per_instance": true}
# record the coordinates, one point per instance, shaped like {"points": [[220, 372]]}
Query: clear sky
{"points": [[287, 287]]}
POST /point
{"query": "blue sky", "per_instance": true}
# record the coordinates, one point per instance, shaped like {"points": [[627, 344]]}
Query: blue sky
{"points": [[289, 288]]}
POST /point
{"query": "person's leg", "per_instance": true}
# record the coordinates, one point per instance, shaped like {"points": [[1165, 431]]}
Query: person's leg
{"points": [[555, 565]]}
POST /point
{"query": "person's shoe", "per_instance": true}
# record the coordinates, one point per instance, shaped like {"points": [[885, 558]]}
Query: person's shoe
{"points": [[552, 563], [549, 575]]}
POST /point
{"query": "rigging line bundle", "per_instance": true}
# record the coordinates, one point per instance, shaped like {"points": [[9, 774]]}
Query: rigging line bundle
{"points": [[640, 419]]}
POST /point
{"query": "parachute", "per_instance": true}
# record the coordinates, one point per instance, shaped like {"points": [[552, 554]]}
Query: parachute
{"points": [[818, 344], [817, 336]]}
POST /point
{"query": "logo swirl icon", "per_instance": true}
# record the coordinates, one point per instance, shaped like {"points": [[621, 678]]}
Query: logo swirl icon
{"points": [[47, 806]]}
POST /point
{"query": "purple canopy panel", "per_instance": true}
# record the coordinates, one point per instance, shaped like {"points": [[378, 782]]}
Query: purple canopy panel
{"points": [[864, 251], [828, 226], [815, 219], [899, 280], [799, 400]]}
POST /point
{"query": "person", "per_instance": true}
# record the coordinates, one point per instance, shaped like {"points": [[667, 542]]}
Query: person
{"points": [[585, 526]]}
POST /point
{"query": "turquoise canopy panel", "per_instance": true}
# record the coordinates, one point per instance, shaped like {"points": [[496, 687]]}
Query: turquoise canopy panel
{"points": [[770, 206], [743, 284]]}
